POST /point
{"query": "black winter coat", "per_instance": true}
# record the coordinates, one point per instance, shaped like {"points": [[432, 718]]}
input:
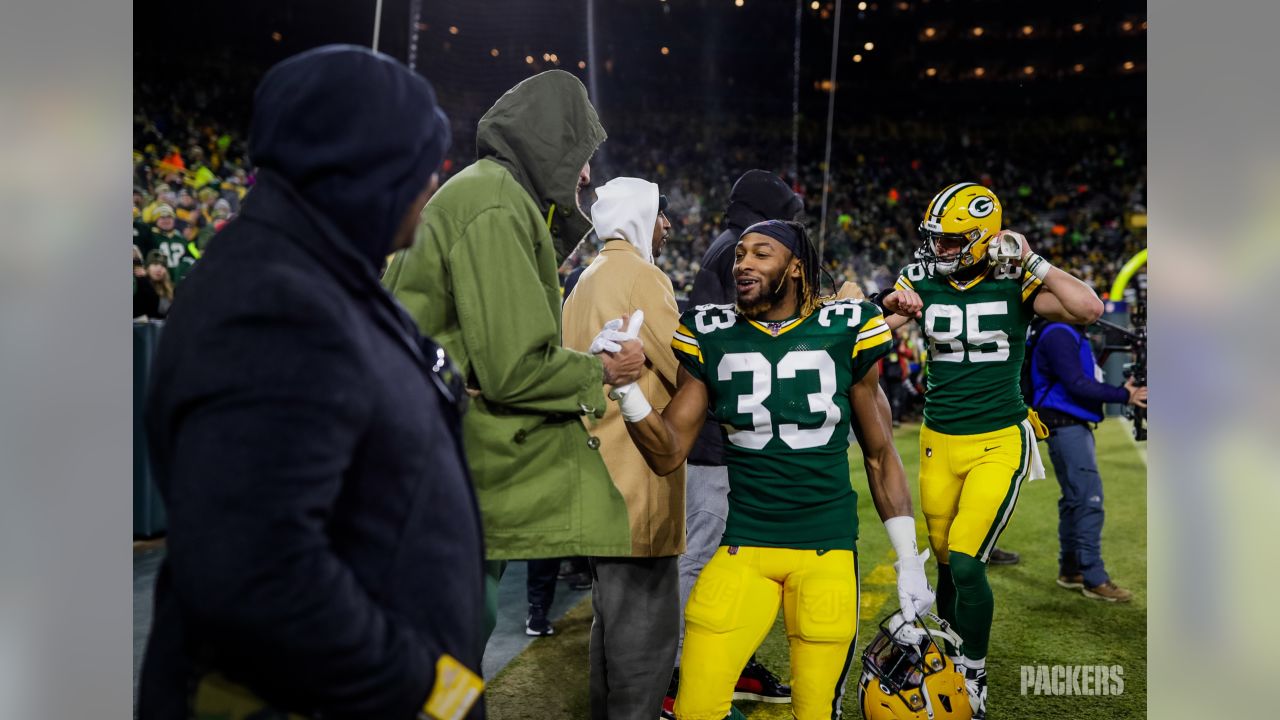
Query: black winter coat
{"points": [[324, 545]]}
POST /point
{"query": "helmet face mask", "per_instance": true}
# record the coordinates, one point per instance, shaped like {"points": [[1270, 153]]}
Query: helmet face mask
{"points": [[965, 216], [908, 676]]}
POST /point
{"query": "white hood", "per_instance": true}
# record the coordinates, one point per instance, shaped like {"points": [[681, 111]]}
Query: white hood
{"points": [[627, 208]]}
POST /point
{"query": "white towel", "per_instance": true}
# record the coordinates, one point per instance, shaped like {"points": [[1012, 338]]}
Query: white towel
{"points": [[1037, 465]]}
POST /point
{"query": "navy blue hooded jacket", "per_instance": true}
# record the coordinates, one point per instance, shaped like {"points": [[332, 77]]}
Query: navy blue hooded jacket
{"points": [[324, 549]]}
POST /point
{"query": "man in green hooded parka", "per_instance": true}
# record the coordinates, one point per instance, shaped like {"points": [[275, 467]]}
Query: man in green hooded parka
{"points": [[481, 279]]}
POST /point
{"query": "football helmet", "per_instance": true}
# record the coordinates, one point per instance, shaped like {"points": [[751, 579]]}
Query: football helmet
{"points": [[906, 674], [965, 215]]}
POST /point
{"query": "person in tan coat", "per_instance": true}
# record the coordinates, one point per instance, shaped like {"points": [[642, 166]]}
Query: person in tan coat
{"points": [[635, 600]]}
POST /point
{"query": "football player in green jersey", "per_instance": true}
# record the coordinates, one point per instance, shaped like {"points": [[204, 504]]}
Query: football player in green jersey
{"points": [[974, 293], [787, 374]]}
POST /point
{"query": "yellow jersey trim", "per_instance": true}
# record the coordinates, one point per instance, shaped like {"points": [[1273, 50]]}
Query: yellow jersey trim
{"points": [[687, 349]]}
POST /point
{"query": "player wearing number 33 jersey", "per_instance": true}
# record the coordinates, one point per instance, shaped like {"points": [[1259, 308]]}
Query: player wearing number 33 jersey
{"points": [[793, 376], [787, 375], [975, 291]]}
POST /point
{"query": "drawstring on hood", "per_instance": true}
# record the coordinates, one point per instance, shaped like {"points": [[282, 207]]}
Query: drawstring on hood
{"points": [[356, 133], [543, 131], [627, 208]]}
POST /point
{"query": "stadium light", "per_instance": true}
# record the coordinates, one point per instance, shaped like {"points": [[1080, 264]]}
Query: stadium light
{"points": [[815, 5], [453, 29], [1078, 67], [977, 32], [868, 46], [1128, 65], [528, 59], [930, 32], [979, 71], [555, 58], [493, 52], [665, 50], [546, 57], [862, 6], [1078, 27], [582, 64], [1027, 29], [931, 71], [857, 58], [1127, 26], [1028, 70], [739, 3]]}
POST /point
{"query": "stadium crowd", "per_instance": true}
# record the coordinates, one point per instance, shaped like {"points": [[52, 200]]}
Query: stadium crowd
{"points": [[345, 184], [1077, 187]]}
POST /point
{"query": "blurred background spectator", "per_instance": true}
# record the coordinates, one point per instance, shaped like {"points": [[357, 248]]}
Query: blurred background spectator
{"points": [[1045, 106]]}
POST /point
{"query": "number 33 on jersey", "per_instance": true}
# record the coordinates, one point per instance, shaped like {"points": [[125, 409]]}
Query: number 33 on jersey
{"points": [[785, 389], [781, 393]]}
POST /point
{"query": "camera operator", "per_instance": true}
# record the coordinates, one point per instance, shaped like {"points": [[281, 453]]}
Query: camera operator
{"points": [[1069, 394]]}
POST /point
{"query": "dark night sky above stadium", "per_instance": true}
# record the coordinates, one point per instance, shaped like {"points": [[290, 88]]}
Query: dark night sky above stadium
{"points": [[984, 53]]}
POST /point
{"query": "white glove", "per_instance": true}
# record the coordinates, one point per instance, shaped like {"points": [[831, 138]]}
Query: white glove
{"points": [[905, 633], [631, 400], [608, 338], [914, 594], [1006, 248]]}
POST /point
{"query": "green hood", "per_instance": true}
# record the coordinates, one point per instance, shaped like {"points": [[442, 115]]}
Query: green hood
{"points": [[543, 131]]}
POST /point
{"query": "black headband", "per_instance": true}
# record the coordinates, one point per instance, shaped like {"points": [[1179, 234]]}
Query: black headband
{"points": [[778, 230]]}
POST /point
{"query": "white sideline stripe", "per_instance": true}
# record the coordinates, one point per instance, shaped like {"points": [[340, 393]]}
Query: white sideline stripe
{"points": [[1140, 447]]}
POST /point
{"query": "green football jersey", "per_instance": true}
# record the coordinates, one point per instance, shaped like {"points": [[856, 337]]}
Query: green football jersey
{"points": [[977, 337], [780, 391], [177, 254]]}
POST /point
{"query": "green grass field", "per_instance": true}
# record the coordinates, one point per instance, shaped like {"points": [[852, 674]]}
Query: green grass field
{"points": [[1036, 622]]}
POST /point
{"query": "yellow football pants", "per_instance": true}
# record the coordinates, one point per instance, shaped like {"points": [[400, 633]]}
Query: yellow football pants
{"points": [[732, 608], [969, 486]]}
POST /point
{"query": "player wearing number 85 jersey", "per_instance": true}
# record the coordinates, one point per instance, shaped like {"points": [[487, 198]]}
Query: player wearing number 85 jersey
{"points": [[787, 375], [974, 293]]}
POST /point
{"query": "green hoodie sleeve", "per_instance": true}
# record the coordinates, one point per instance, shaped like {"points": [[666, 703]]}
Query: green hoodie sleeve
{"points": [[509, 327]]}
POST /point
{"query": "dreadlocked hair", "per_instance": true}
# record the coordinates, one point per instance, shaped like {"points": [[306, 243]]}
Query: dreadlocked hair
{"points": [[809, 290]]}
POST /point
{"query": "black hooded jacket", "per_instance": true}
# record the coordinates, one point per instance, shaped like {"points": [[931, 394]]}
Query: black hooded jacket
{"points": [[757, 195], [324, 549]]}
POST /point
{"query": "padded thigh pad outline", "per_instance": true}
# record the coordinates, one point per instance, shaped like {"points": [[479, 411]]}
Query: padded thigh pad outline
{"points": [[717, 596], [827, 609]]}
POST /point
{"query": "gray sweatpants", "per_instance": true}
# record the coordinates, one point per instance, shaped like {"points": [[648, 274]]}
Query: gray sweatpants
{"points": [[634, 628], [706, 505]]}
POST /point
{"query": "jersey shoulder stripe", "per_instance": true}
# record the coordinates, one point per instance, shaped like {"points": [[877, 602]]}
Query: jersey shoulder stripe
{"points": [[684, 343], [1030, 283], [904, 281], [873, 334]]}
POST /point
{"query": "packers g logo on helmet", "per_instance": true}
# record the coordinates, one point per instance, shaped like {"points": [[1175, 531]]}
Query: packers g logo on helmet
{"points": [[906, 675], [965, 214]]}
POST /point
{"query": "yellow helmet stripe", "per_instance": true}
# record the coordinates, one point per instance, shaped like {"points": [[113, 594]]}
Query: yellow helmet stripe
{"points": [[941, 199]]}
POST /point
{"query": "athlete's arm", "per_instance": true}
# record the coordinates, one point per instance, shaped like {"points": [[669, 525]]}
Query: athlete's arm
{"points": [[904, 304], [873, 425], [665, 439], [1063, 297], [1067, 300], [888, 481]]}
